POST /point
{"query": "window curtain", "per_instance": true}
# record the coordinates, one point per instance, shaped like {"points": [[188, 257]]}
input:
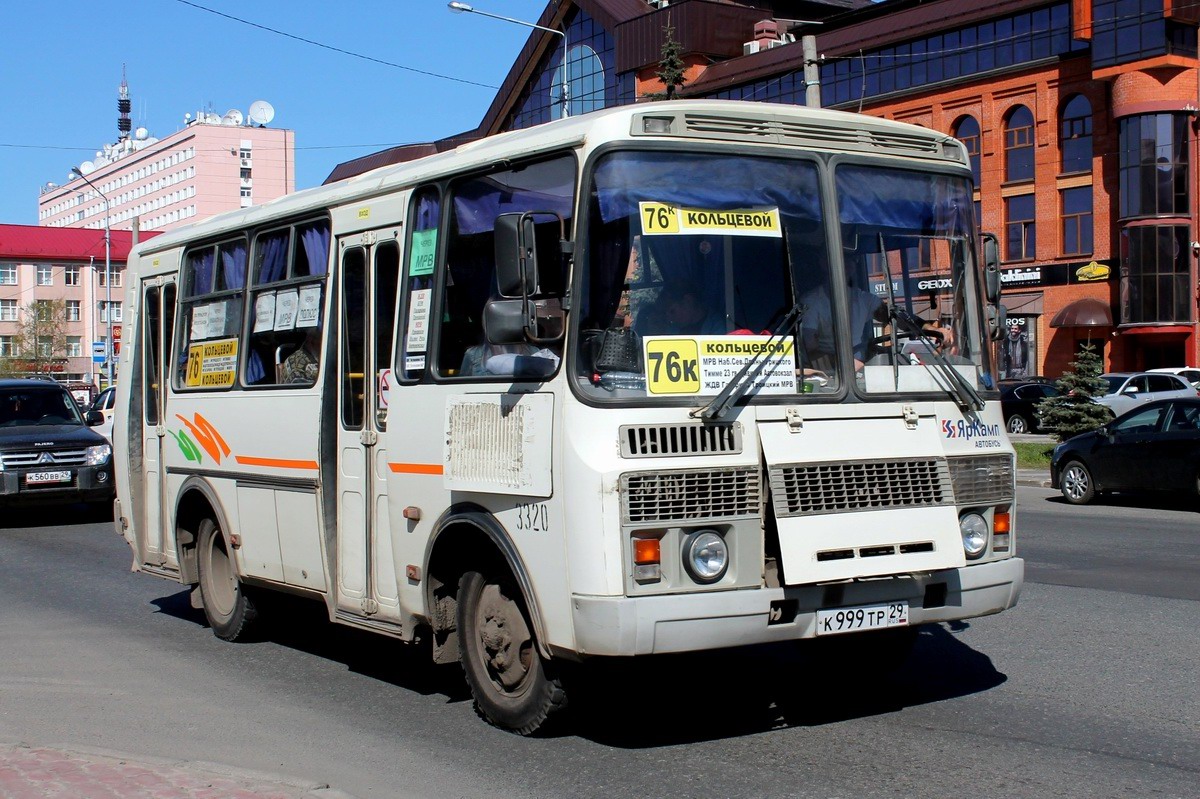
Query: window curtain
{"points": [[272, 258], [233, 266], [315, 240], [201, 267]]}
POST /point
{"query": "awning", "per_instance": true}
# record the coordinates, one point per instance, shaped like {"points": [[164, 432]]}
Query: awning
{"points": [[1084, 313]]}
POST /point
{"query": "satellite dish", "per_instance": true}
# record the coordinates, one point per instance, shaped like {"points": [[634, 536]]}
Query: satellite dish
{"points": [[261, 112], [87, 168], [140, 134], [233, 117], [212, 118]]}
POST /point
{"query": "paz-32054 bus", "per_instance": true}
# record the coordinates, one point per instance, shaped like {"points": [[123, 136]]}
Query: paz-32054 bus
{"points": [[661, 378]]}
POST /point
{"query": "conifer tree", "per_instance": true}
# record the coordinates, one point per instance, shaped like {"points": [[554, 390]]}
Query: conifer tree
{"points": [[1074, 410], [670, 65]]}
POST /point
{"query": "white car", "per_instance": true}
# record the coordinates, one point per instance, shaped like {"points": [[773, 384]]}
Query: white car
{"points": [[1188, 373], [105, 402], [1128, 389]]}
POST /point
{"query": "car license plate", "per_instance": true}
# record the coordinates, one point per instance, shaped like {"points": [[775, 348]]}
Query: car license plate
{"points": [[40, 478], [866, 617]]}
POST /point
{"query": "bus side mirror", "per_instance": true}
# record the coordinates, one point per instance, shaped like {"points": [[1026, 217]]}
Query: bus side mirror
{"points": [[991, 267], [504, 322], [516, 255], [997, 321]]}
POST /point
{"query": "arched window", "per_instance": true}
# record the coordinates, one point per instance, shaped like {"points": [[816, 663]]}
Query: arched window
{"points": [[1018, 145], [1076, 135], [966, 130]]}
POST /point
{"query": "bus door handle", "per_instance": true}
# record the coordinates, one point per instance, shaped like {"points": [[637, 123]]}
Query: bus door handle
{"points": [[160, 431], [368, 438]]}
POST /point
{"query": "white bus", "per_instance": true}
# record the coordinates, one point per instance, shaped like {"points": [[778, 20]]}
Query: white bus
{"points": [[661, 378]]}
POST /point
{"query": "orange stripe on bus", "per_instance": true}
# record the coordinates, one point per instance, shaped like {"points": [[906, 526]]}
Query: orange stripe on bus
{"points": [[279, 463], [416, 468]]}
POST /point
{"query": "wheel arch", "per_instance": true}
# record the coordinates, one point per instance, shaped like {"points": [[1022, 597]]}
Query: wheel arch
{"points": [[197, 500], [468, 537]]}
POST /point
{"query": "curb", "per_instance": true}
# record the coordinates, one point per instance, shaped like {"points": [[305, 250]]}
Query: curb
{"points": [[253, 780]]}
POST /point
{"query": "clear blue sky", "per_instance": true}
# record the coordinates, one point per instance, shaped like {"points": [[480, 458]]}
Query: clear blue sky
{"points": [[61, 66]]}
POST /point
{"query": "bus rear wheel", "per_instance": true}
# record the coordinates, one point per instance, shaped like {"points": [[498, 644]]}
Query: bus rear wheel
{"points": [[230, 612], [512, 686]]}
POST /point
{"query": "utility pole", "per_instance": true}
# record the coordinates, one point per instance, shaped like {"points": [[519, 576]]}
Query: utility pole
{"points": [[812, 75]]}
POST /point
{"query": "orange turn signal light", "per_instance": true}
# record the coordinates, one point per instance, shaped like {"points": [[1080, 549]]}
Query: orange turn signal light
{"points": [[1000, 522], [646, 551]]}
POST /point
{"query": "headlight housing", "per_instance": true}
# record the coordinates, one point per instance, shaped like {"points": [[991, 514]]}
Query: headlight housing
{"points": [[974, 529], [98, 455], [705, 556]]}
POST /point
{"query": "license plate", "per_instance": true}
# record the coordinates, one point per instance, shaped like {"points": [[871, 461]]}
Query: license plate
{"points": [[39, 478], [866, 617]]}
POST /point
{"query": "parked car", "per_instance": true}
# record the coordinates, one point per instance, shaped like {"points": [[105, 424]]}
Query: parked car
{"points": [[105, 402], [1154, 447], [1018, 401], [48, 452], [1188, 373], [1129, 389]]}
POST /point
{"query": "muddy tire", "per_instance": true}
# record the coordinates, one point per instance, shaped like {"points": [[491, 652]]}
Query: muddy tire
{"points": [[231, 613], [1076, 484], [513, 688]]}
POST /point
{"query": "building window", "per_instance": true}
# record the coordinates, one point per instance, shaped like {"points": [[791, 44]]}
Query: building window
{"points": [[966, 130], [45, 275], [1077, 220], [8, 274], [8, 310], [73, 309], [71, 275], [1018, 145], [74, 346], [45, 346], [245, 173], [104, 311], [1155, 285], [102, 277], [1020, 227], [1076, 135], [1153, 165], [1131, 30], [6, 346]]}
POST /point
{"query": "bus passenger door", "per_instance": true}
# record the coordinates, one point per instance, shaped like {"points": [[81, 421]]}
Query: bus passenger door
{"points": [[158, 315], [366, 573]]}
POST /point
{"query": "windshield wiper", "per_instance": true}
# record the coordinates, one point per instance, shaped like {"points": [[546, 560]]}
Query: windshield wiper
{"points": [[739, 384], [960, 388]]}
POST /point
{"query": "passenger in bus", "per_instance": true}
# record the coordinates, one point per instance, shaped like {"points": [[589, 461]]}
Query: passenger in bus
{"points": [[818, 325], [507, 360], [302, 366], [680, 310]]}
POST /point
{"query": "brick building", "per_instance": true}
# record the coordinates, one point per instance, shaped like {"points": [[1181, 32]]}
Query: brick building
{"points": [[1081, 116]]}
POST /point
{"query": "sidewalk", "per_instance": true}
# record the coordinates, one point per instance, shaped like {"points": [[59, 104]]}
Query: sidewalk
{"points": [[45, 772], [1034, 477]]}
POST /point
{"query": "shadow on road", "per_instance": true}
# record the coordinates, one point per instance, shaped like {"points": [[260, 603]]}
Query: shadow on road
{"points": [[1148, 501], [59, 515], [665, 700]]}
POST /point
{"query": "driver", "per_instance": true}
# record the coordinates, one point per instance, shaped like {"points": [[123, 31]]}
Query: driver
{"points": [[818, 323]]}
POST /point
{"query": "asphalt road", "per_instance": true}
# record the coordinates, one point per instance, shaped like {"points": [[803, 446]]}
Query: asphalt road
{"points": [[1086, 689]]}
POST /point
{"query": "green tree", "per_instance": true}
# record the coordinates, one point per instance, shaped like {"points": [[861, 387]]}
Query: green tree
{"points": [[670, 65], [40, 345], [1074, 410]]}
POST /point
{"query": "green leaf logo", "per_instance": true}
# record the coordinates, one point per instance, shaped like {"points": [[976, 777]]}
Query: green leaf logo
{"points": [[187, 446]]}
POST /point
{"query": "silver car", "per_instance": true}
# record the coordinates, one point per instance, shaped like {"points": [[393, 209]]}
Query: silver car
{"points": [[1129, 389]]}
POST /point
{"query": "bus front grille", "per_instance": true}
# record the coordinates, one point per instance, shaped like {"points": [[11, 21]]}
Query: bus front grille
{"points": [[839, 487], [692, 495], [687, 438]]}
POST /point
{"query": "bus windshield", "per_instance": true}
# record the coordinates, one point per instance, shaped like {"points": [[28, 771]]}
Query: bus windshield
{"points": [[693, 259]]}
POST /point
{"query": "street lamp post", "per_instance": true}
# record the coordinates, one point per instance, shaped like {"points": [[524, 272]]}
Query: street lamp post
{"points": [[459, 8], [108, 310]]}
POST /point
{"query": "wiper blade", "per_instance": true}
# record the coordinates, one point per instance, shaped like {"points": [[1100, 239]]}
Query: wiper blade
{"points": [[739, 384], [960, 388]]}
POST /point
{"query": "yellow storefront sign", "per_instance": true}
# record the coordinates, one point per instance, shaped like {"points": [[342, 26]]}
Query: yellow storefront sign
{"points": [[212, 364], [665, 219]]}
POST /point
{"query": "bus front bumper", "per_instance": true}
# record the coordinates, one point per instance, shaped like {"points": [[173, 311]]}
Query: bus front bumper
{"points": [[625, 626]]}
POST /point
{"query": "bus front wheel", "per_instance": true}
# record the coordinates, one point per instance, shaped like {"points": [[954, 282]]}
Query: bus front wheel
{"points": [[230, 612], [512, 686]]}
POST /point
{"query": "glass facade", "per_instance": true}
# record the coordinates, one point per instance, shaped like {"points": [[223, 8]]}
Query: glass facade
{"points": [[586, 80], [1124, 31], [1018, 145], [1075, 135], [1154, 165], [1155, 278], [995, 44]]}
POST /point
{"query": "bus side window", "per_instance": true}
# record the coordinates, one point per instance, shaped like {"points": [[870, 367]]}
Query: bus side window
{"points": [[284, 339], [413, 332], [470, 280], [210, 318]]}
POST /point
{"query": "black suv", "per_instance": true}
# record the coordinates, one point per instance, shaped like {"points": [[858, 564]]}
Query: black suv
{"points": [[48, 454]]}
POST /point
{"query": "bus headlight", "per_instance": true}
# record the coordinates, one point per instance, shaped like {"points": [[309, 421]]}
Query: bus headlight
{"points": [[974, 531], [98, 455], [705, 556]]}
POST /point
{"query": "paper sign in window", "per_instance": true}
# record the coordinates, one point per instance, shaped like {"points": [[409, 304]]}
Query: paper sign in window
{"points": [[308, 313], [199, 330], [264, 312], [424, 248], [216, 320], [418, 321], [286, 303]]}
